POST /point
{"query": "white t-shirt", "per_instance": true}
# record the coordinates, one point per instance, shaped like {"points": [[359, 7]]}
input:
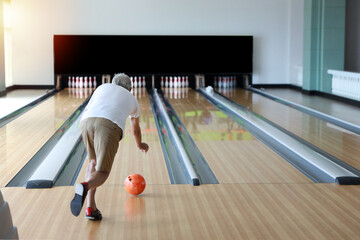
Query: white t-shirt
{"points": [[114, 103]]}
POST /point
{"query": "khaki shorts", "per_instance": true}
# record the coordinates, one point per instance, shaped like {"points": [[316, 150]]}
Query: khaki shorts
{"points": [[101, 137]]}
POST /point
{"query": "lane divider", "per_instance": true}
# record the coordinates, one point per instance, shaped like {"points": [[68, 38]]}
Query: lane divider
{"points": [[185, 158], [44, 168], [314, 165]]}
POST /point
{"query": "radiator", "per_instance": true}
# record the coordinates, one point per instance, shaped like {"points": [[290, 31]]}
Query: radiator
{"points": [[345, 84]]}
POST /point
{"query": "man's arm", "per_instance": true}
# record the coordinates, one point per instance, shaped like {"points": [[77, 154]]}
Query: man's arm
{"points": [[136, 131]]}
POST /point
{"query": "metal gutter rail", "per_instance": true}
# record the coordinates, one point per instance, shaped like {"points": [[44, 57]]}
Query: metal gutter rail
{"points": [[185, 158]]}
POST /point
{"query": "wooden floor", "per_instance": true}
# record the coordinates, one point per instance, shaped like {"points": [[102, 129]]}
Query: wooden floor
{"points": [[23, 137], [260, 196], [222, 211], [343, 145]]}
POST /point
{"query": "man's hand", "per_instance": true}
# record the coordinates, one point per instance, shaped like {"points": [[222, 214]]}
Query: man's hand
{"points": [[144, 147]]}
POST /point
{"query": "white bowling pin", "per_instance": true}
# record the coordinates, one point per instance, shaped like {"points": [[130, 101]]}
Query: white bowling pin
{"points": [[135, 82], [162, 82], [85, 83], [175, 83], [81, 82], [94, 83], [171, 83], [90, 82], [166, 82], [139, 83]]}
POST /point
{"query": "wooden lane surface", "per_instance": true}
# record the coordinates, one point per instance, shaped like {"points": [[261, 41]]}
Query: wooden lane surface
{"points": [[23, 137], [17, 99], [221, 211], [130, 160], [233, 154], [334, 108], [344, 145]]}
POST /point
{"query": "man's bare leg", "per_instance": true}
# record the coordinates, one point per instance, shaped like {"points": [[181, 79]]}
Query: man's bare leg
{"points": [[91, 193], [94, 179]]}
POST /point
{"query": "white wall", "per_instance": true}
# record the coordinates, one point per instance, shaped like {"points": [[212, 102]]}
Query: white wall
{"points": [[296, 39], [2, 51], [36, 21]]}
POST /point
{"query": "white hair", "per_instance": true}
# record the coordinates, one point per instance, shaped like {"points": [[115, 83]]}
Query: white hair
{"points": [[122, 80]]}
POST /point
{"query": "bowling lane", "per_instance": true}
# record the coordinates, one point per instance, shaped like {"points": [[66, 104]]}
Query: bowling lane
{"points": [[23, 137], [233, 154], [129, 159], [346, 112], [17, 99], [336, 141]]}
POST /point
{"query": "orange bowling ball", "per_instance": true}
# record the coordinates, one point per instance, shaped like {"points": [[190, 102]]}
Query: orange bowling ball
{"points": [[135, 184]]}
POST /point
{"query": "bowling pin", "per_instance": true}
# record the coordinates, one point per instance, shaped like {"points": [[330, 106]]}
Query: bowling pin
{"points": [[69, 82], [90, 82], [186, 81], [139, 83], [162, 82], [94, 83], [135, 82], [143, 82], [86, 82], [166, 82], [73, 82], [171, 83]]}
